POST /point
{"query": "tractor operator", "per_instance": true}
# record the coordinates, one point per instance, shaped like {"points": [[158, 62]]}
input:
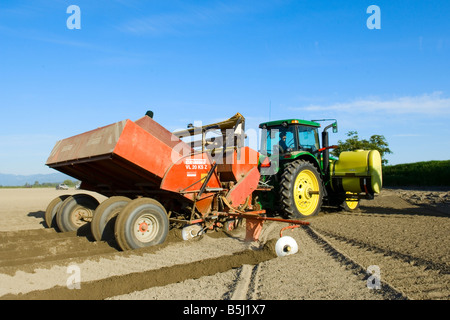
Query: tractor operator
{"points": [[282, 142]]}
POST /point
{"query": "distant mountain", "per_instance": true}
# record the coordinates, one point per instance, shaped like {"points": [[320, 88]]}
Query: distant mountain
{"points": [[12, 180]]}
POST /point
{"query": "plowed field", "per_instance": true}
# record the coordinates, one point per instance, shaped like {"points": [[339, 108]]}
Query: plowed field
{"points": [[394, 247]]}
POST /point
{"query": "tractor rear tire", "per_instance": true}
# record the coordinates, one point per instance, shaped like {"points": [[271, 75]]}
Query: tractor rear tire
{"points": [[102, 225], [50, 212], [75, 211], [301, 190], [143, 222]]}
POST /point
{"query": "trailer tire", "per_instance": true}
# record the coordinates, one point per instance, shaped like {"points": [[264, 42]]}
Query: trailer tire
{"points": [[102, 225], [298, 180], [75, 211], [142, 223], [52, 209]]}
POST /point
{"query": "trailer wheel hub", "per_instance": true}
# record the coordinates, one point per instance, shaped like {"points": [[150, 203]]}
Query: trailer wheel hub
{"points": [[146, 228], [80, 215], [143, 227]]}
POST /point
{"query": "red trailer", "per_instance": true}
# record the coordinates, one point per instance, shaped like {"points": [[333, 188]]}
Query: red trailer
{"points": [[155, 179]]}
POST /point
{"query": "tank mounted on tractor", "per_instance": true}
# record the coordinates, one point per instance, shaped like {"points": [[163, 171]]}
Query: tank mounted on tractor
{"points": [[156, 180]]}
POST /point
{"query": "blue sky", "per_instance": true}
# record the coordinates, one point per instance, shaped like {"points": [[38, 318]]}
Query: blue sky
{"points": [[206, 60]]}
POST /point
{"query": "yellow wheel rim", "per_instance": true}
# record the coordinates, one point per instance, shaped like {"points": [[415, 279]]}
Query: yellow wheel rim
{"points": [[305, 201], [351, 203]]}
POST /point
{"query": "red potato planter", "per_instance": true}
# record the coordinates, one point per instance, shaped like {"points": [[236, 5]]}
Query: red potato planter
{"points": [[154, 181]]}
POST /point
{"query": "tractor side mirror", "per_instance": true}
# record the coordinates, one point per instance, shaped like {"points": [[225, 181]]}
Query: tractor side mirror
{"points": [[335, 127]]}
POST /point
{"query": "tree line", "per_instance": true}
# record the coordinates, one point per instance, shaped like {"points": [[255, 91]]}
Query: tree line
{"points": [[37, 184], [353, 142]]}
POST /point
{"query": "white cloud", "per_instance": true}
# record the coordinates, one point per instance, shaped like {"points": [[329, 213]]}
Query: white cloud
{"points": [[177, 22], [433, 103], [408, 135]]}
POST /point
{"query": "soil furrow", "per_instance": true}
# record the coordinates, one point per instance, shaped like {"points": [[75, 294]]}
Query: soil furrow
{"points": [[123, 284], [408, 259], [346, 259], [413, 278]]}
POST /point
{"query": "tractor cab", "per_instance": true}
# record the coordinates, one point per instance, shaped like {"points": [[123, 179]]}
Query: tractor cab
{"points": [[290, 136], [283, 141]]}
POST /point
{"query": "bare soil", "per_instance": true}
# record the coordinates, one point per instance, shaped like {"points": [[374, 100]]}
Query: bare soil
{"points": [[402, 233]]}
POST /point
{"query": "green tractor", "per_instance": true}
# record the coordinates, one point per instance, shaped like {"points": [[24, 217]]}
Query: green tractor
{"points": [[301, 176]]}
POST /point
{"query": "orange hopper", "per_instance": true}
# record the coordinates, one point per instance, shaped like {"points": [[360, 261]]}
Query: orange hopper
{"points": [[142, 158]]}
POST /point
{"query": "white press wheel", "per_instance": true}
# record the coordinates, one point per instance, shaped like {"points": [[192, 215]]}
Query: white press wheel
{"points": [[191, 231], [286, 245]]}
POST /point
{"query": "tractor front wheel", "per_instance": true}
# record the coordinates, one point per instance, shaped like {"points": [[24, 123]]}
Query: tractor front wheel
{"points": [[301, 190]]}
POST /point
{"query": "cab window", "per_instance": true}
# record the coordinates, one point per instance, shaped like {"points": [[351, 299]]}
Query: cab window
{"points": [[309, 138], [281, 137]]}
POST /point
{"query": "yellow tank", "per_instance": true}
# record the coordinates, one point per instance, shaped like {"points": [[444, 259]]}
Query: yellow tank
{"points": [[356, 172]]}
